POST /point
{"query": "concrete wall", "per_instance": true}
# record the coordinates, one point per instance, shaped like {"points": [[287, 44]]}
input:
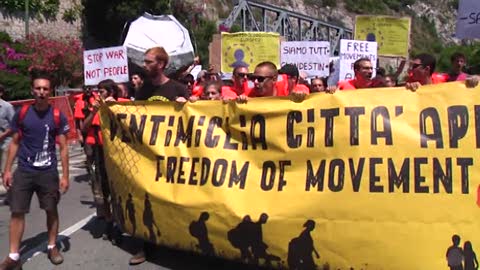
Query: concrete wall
{"points": [[57, 28]]}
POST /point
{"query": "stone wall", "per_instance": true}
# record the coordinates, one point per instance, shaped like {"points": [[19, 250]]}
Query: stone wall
{"points": [[14, 25]]}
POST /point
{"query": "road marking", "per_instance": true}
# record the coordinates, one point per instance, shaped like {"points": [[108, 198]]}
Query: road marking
{"points": [[61, 236]]}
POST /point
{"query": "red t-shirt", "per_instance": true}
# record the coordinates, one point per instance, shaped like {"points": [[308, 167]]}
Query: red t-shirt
{"points": [[197, 90], [282, 87], [230, 93], [90, 136], [346, 85]]}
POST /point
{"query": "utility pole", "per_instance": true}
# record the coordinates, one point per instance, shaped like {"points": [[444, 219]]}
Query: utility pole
{"points": [[27, 17]]}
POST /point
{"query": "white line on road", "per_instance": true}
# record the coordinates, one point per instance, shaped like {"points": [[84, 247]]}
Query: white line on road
{"points": [[67, 232]]}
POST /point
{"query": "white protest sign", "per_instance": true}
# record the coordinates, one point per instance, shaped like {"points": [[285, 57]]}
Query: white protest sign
{"points": [[196, 70], [351, 51], [468, 19], [311, 57], [105, 63]]}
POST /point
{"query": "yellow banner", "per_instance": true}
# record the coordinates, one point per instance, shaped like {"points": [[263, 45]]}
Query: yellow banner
{"points": [[391, 33], [248, 49], [382, 181]]}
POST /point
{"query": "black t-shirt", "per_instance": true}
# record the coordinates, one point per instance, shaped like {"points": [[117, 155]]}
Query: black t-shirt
{"points": [[168, 91]]}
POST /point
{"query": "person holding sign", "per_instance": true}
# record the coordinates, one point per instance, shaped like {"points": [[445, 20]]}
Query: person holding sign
{"points": [[363, 70], [264, 79], [159, 86], [265, 83], [289, 82], [240, 89], [456, 73], [422, 72]]}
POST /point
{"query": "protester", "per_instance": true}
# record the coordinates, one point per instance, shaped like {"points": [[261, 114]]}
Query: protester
{"points": [[34, 130], [318, 85], [137, 80], [108, 91], [458, 61], [6, 116], [83, 106], [422, 72], [189, 81], [389, 81], [240, 85], [264, 78], [363, 71], [289, 83], [158, 88], [212, 91]]}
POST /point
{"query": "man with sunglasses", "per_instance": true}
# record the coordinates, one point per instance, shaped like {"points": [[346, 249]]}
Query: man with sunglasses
{"points": [[264, 79], [422, 72], [240, 89]]}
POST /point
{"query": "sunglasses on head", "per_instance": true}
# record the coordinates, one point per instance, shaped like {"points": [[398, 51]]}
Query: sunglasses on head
{"points": [[258, 78]]}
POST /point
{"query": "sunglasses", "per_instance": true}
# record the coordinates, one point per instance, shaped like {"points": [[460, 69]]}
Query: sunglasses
{"points": [[414, 66], [241, 75], [260, 79]]}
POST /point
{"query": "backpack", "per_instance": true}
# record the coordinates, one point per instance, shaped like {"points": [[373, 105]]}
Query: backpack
{"points": [[23, 113]]}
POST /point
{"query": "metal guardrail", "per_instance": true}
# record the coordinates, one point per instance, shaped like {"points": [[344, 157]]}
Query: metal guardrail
{"points": [[256, 16]]}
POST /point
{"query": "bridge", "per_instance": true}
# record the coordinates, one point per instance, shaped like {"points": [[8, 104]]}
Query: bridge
{"points": [[256, 16]]}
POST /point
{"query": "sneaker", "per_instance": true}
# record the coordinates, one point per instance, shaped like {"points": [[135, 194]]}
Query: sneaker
{"points": [[10, 264], [55, 256], [138, 258]]}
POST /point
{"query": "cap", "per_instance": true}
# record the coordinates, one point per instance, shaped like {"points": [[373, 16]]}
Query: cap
{"points": [[290, 70]]}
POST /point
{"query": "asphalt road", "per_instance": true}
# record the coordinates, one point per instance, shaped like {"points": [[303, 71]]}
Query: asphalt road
{"points": [[80, 240]]}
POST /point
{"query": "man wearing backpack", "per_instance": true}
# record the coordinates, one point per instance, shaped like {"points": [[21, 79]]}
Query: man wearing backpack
{"points": [[34, 130]]}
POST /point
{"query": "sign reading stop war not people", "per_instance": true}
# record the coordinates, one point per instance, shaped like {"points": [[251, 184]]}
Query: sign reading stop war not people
{"points": [[312, 57], [105, 63], [468, 21]]}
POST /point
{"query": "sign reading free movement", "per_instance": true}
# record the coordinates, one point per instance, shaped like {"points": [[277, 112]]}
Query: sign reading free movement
{"points": [[105, 63], [312, 57], [366, 179], [351, 51]]}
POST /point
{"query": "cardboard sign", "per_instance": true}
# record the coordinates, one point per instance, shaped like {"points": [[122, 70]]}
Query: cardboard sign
{"points": [[351, 51], [392, 34], [468, 19], [247, 49], [105, 63], [311, 57]]}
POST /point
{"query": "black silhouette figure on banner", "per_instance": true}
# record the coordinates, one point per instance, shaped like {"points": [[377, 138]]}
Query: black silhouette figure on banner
{"points": [[248, 237], [198, 229], [239, 56], [300, 249], [149, 221], [455, 254], [130, 208], [469, 256], [118, 211], [238, 238]]}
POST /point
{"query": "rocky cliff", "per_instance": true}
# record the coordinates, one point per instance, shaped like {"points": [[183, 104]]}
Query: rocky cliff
{"points": [[433, 21]]}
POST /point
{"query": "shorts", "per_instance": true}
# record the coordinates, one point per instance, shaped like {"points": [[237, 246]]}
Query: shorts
{"points": [[44, 184]]}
